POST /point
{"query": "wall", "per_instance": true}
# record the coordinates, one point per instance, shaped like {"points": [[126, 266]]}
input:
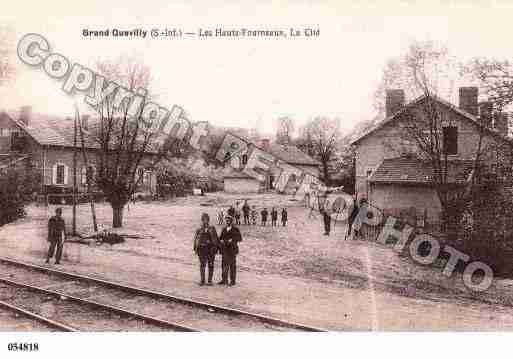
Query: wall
{"points": [[396, 197], [241, 185], [64, 155]]}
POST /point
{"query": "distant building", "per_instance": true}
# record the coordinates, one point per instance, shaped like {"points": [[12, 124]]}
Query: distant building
{"points": [[236, 181]]}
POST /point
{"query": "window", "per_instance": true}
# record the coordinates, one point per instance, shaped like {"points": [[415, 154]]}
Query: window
{"points": [[60, 174], [16, 141], [450, 140], [147, 177]]}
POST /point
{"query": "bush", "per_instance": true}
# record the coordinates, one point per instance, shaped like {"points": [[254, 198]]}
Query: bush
{"points": [[16, 189]]}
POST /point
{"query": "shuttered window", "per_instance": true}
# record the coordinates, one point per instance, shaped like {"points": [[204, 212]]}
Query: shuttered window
{"points": [[450, 140]]}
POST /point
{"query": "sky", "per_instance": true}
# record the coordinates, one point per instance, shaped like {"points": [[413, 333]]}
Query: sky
{"points": [[252, 82]]}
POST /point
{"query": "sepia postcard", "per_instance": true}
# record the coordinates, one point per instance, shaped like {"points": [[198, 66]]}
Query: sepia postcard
{"points": [[244, 169]]}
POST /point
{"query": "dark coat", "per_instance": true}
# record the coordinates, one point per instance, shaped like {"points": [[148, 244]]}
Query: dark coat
{"points": [[56, 227], [229, 241], [207, 240], [274, 215], [284, 215]]}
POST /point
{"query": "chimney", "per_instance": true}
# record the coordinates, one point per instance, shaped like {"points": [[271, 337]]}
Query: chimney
{"points": [[485, 113], [264, 143], [394, 101], [85, 122], [468, 100], [501, 123], [25, 114]]}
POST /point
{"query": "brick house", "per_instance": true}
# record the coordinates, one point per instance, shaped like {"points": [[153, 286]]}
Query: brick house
{"points": [[45, 143], [236, 181], [395, 181]]}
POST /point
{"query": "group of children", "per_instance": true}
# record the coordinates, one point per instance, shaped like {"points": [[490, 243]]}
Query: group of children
{"points": [[250, 214]]}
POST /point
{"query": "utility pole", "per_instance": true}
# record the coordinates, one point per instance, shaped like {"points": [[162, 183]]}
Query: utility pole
{"points": [[75, 176]]}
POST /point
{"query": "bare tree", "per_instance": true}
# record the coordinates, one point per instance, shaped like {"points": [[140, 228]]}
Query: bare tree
{"points": [[284, 130], [125, 143], [428, 71], [320, 138], [495, 77]]}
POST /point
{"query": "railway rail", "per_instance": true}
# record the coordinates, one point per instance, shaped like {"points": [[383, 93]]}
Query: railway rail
{"points": [[147, 306], [32, 320]]}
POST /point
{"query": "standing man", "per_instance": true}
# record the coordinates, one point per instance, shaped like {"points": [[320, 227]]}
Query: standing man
{"points": [[228, 242], [326, 218], [56, 236], [245, 211], [206, 246]]}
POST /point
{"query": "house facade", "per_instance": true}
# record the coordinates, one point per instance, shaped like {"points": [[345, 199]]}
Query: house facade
{"points": [[393, 178], [46, 145], [236, 181]]}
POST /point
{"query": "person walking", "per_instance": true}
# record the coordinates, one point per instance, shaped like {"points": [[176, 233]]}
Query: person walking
{"points": [[206, 246], [264, 215], [56, 236], [245, 210], [274, 216], [284, 217], [229, 245]]}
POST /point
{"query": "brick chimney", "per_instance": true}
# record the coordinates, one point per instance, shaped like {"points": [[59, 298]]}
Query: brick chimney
{"points": [[85, 122], [394, 101], [25, 114], [500, 123], [264, 144], [468, 100], [485, 113]]}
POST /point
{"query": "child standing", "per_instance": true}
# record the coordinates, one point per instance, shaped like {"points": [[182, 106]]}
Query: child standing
{"points": [[274, 216], [264, 214], [284, 217], [254, 216]]}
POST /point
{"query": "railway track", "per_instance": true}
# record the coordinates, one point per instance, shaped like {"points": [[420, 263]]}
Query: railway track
{"points": [[14, 318], [148, 307]]}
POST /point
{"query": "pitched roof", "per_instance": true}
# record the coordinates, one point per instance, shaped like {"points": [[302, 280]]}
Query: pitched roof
{"points": [[52, 130], [411, 170], [291, 154], [473, 119], [58, 131], [287, 153]]}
